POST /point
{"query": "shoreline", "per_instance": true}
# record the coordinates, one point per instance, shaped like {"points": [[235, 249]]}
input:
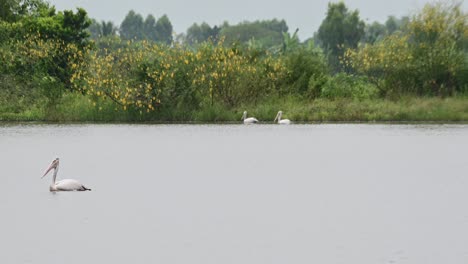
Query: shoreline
{"points": [[195, 123], [74, 109]]}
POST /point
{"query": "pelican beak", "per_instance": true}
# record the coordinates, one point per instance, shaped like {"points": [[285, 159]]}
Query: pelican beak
{"points": [[52, 165], [275, 118]]}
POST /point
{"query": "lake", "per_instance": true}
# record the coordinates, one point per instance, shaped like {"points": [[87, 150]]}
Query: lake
{"points": [[213, 194]]}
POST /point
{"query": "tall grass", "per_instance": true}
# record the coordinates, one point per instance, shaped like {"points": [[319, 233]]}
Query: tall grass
{"points": [[74, 107]]}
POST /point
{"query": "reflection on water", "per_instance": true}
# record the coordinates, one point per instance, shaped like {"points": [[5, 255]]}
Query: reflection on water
{"points": [[236, 194]]}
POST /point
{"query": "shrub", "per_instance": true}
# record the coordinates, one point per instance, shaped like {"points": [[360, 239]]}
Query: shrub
{"points": [[426, 59], [145, 76], [307, 70], [348, 86]]}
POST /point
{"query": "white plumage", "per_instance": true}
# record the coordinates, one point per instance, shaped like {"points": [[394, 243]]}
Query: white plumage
{"points": [[63, 185], [281, 121], [250, 120]]}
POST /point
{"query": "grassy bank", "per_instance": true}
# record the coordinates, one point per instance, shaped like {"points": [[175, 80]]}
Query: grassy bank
{"points": [[78, 108]]}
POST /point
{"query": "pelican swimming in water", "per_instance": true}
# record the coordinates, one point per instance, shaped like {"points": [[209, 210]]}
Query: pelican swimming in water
{"points": [[281, 121], [250, 120], [63, 185]]}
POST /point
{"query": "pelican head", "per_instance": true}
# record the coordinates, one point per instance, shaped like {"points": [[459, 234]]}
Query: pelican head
{"points": [[53, 165], [278, 116], [244, 116]]}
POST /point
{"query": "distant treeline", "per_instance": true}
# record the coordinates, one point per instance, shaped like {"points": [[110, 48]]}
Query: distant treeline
{"points": [[265, 33], [50, 59]]}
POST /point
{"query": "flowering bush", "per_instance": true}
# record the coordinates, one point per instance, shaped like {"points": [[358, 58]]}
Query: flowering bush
{"points": [[425, 59], [144, 75]]}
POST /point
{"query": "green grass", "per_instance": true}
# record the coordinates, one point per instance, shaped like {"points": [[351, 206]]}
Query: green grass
{"points": [[79, 108]]}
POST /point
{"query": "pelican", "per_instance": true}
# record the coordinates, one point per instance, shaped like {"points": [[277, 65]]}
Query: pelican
{"points": [[281, 121], [250, 120], [63, 185]]}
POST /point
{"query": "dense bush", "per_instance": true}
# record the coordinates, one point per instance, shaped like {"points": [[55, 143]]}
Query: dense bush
{"points": [[37, 48], [145, 76], [426, 59], [42, 64], [343, 85], [307, 69]]}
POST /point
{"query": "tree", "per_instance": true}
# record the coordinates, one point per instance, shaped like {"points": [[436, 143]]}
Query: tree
{"points": [[374, 32], [427, 58], [95, 29], [267, 33], [149, 28], [7, 10], [164, 30], [341, 29], [200, 33], [45, 47], [394, 24], [290, 43], [108, 28], [132, 26], [307, 66], [13, 10], [75, 26], [391, 24]]}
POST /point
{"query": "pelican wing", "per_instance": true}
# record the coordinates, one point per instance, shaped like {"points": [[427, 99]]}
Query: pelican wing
{"points": [[250, 120], [70, 185]]}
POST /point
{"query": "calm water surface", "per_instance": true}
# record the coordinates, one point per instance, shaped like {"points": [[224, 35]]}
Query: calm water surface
{"points": [[213, 194]]}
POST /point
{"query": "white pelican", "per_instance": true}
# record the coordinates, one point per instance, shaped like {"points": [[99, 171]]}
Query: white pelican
{"points": [[250, 120], [281, 121], [63, 185]]}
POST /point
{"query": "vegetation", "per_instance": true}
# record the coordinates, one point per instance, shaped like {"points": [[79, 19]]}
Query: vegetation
{"points": [[133, 27], [339, 31], [63, 66], [428, 58]]}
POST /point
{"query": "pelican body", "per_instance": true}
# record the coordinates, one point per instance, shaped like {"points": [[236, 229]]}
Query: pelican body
{"points": [[281, 121], [62, 185], [250, 120]]}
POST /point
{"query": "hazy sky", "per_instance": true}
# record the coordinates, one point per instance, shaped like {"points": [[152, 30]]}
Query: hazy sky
{"points": [[303, 14]]}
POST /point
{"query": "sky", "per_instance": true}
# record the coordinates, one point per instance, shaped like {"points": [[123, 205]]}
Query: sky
{"points": [[303, 14]]}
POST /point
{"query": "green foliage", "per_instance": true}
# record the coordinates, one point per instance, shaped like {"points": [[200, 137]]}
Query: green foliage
{"points": [[38, 48], [307, 71], [133, 27], [63, 34], [45, 65], [149, 28], [14, 10], [18, 95], [164, 30], [144, 76], [374, 32], [101, 29], [425, 59], [268, 32], [394, 24], [290, 43], [7, 10], [343, 85], [197, 34], [340, 30], [66, 26]]}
